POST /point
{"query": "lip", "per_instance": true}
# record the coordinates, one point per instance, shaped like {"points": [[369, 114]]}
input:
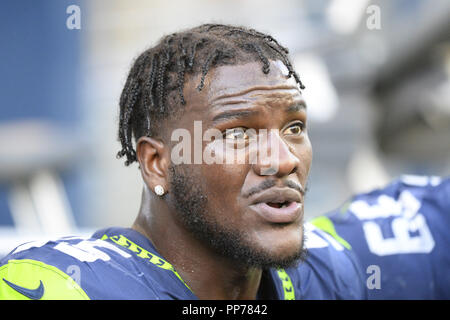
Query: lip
{"points": [[287, 214], [277, 195]]}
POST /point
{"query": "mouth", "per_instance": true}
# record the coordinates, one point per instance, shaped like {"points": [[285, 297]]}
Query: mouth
{"points": [[278, 205]]}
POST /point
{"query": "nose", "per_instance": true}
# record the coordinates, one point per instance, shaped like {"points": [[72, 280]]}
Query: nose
{"points": [[274, 157]]}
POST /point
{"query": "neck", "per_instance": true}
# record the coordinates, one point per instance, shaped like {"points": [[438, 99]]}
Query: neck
{"points": [[207, 273]]}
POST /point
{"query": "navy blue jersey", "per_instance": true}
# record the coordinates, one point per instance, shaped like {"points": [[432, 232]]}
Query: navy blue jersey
{"points": [[401, 237], [120, 263]]}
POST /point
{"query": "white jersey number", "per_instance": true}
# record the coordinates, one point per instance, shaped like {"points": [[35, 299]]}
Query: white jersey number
{"points": [[407, 220]]}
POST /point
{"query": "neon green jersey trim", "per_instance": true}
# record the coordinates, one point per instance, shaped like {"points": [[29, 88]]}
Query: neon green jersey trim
{"points": [[29, 274], [288, 287], [123, 241], [325, 224], [144, 254]]}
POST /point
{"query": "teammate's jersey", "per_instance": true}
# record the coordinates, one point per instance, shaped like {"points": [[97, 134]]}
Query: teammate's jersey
{"points": [[120, 263], [401, 236]]}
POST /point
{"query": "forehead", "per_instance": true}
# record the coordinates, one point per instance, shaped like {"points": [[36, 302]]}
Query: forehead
{"points": [[244, 80]]}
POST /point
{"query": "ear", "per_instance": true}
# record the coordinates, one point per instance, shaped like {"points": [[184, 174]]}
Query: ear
{"points": [[153, 162]]}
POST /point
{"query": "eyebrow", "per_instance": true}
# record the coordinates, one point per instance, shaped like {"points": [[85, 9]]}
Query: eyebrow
{"points": [[233, 115], [239, 114], [298, 106]]}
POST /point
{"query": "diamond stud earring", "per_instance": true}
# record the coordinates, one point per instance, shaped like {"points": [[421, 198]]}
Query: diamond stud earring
{"points": [[159, 190]]}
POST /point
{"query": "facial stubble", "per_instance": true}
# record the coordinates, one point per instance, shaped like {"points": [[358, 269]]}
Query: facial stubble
{"points": [[191, 204]]}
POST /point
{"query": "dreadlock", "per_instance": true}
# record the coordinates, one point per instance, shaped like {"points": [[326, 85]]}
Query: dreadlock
{"points": [[155, 83]]}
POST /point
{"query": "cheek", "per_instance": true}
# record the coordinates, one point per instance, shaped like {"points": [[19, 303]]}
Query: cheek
{"points": [[223, 184], [305, 154]]}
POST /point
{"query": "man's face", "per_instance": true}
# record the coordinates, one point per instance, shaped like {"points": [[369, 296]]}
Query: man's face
{"points": [[251, 209]]}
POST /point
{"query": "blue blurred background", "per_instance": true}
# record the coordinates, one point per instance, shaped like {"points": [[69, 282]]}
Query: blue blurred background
{"points": [[378, 91]]}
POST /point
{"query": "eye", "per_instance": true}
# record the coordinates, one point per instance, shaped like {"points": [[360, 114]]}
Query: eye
{"points": [[295, 128], [237, 133]]}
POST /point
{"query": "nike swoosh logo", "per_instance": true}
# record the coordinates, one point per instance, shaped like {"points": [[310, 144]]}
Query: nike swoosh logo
{"points": [[34, 294]]}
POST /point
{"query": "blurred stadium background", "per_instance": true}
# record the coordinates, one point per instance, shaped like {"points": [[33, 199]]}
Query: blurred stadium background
{"points": [[378, 94]]}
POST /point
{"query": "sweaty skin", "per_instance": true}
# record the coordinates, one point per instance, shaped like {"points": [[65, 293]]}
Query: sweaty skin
{"points": [[233, 96]]}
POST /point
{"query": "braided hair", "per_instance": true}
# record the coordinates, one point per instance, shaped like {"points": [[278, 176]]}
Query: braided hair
{"points": [[154, 87]]}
